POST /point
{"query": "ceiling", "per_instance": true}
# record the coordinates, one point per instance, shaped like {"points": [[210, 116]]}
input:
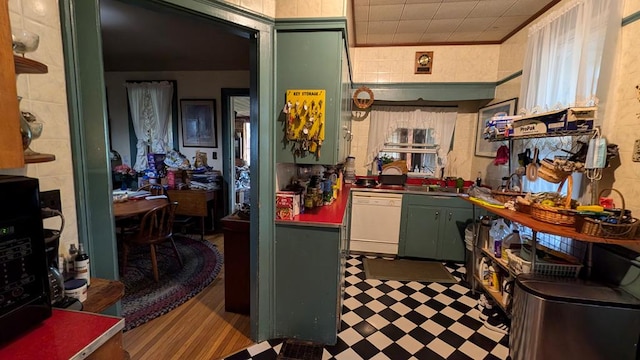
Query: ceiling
{"points": [[442, 22], [139, 39], [136, 38]]}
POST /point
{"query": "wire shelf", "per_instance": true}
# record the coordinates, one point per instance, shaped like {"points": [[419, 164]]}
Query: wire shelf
{"points": [[559, 133]]}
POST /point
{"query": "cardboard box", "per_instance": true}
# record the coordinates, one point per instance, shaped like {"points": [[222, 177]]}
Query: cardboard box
{"points": [[287, 205], [570, 119]]}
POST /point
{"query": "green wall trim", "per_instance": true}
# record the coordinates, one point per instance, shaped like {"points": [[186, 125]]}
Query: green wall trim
{"points": [[208, 7], [436, 91], [509, 78], [631, 18]]}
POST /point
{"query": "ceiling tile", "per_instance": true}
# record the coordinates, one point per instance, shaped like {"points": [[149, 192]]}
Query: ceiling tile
{"points": [[419, 11], [491, 8], [435, 37], [382, 27], [442, 26], [510, 22], [360, 2], [385, 12], [476, 24], [526, 7], [463, 36], [361, 38], [492, 35], [423, 1], [455, 10], [379, 38], [386, 2], [361, 27], [412, 26], [404, 38], [361, 13]]}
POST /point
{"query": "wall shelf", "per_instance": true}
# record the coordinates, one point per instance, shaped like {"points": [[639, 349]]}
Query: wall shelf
{"points": [[29, 66], [547, 135], [38, 158]]}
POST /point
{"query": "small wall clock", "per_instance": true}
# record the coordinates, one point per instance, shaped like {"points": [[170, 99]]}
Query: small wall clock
{"points": [[424, 62]]}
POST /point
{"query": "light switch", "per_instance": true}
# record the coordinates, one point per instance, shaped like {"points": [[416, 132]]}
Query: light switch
{"points": [[636, 151], [214, 155]]}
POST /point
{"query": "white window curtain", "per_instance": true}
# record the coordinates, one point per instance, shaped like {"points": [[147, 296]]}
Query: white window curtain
{"points": [[160, 95], [150, 107], [562, 65], [564, 53], [384, 120]]}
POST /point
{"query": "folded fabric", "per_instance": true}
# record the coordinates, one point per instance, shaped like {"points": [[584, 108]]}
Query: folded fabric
{"points": [[502, 155], [153, 197]]}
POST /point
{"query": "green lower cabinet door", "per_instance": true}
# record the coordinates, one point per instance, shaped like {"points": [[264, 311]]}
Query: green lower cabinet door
{"points": [[451, 245], [420, 232]]}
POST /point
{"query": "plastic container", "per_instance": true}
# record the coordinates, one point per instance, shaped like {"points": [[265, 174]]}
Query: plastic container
{"points": [[76, 288], [509, 241]]}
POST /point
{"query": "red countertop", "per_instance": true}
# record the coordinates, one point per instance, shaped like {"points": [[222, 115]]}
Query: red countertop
{"points": [[65, 335], [328, 215]]}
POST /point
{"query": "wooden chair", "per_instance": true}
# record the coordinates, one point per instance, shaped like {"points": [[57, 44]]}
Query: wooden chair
{"points": [[130, 225], [155, 228]]}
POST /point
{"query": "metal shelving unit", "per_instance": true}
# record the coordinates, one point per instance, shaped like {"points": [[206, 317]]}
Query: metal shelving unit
{"points": [[547, 135]]}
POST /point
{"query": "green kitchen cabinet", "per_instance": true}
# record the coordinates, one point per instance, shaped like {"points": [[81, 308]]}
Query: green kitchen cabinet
{"points": [[309, 281], [315, 60], [430, 227]]}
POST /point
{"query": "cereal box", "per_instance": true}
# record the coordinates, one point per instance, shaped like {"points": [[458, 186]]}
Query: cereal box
{"points": [[287, 205]]}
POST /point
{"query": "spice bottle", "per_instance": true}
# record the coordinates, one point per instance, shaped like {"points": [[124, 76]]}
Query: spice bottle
{"points": [[479, 179], [82, 265], [73, 251]]}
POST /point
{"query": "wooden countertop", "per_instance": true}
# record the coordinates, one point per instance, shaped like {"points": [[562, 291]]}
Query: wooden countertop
{"points": [[541, 226], [102, 294]]}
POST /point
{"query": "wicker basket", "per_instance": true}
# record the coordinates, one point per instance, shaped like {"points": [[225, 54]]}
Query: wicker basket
{"points": [[550, 173], [556, 215], [505, 196], [597, 228], [526, 209]]}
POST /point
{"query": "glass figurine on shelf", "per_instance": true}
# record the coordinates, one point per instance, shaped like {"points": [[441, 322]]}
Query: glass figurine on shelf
{"points": [[35, 128]]}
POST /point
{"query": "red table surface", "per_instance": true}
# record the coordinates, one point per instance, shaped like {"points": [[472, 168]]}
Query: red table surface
{"points": [[61, 336]]}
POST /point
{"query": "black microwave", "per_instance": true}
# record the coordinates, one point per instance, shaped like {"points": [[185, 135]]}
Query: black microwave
{"points": [[24, 286]]}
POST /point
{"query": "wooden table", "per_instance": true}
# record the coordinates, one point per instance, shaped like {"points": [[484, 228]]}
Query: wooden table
{"points": [[195, 203], [102, 294], [135, 207]]}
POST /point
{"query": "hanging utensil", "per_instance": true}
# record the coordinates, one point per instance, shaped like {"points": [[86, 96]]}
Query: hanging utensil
{"points": [[532, 168]]}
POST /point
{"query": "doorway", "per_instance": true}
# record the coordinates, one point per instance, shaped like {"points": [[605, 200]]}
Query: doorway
{"points": [[236, 114], [86, 91]]}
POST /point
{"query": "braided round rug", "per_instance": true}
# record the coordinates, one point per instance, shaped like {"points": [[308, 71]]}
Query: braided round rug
{"points": [[144, 299]]}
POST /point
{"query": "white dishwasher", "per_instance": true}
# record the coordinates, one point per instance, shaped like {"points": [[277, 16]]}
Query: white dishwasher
{"points": [[375, 222]]}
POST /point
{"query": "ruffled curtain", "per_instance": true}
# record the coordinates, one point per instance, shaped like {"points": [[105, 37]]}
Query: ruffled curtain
{"points": [[150, 107], [384, 120], [564, 53], [140, 120], [160, 95]]}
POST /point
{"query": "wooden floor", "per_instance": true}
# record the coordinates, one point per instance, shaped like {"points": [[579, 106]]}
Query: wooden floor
{"points": [[198, 329]]}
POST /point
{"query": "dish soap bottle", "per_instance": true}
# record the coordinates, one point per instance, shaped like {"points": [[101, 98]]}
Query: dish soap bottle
{"points": [[82, 265]]}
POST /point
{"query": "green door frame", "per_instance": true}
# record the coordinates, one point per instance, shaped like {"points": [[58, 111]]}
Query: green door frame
{"points": [[80, 21], [228, 133]]}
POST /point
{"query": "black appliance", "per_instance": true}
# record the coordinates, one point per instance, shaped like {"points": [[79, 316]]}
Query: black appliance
{"points": [[24, 286]]}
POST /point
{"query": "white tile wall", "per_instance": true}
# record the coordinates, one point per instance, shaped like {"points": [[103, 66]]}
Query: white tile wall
{"points": [[44, 95]]}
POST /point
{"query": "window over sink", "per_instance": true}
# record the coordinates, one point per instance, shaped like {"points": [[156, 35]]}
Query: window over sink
{"points": [[417, 147]]}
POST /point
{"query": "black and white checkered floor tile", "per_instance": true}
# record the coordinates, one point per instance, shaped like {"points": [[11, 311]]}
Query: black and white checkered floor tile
{"points": [[403, 320]]}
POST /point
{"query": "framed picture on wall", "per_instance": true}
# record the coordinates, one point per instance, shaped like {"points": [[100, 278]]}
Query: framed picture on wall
{"points": [[483, 147], [198, 118]]}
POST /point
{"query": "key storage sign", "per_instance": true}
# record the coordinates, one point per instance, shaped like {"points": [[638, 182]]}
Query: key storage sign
{"points": [[305, 117]]}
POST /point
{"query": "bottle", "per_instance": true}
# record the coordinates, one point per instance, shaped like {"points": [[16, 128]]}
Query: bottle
{"points": [[73, 251], [484, 271], [494, 281], [82, 265], [509, 241], [479, 179]]}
